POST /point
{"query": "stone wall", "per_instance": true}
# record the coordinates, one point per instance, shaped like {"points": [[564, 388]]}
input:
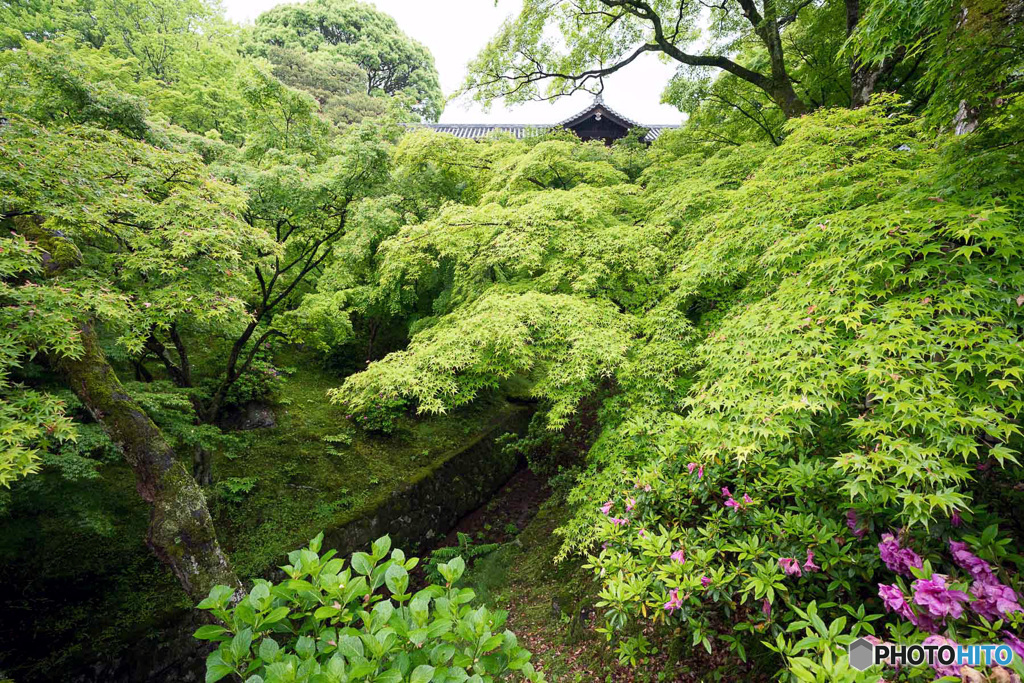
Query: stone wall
{"points": [[425, 507]]}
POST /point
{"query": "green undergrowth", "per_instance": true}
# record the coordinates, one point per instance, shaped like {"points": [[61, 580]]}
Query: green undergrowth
{"points": [[554, 609], [544, 599], [72, 550]]}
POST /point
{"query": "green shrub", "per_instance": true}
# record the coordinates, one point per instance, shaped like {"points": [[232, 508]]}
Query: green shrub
{"points": [[234, 489], [327, 623], [466, 549], [261, 380], [380, 415]]}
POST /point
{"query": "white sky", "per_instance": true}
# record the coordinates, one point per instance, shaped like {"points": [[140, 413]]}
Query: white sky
{"points": [[456, 30]]}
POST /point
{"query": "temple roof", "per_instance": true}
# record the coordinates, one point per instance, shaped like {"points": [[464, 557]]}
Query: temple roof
{"points": [[596, 113]]}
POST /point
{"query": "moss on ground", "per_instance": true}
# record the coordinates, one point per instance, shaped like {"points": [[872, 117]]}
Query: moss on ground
{"points": [[552, 608], [305, 483]]}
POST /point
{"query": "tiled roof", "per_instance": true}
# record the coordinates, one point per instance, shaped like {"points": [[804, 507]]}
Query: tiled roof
{"points": [[475, 131], [598, 103]]}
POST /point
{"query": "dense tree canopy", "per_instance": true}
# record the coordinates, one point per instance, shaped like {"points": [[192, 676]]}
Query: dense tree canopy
{"points": [[348, 32], [774, 358]]}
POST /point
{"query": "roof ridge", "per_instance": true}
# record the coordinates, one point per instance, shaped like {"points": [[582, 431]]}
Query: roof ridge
{"points": [[599, 102]]}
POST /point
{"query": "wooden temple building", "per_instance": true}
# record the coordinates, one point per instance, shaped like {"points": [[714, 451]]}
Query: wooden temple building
{"points": [[596, 122]]}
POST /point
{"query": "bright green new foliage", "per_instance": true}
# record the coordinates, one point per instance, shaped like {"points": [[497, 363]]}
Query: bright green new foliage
{"points": [[334, 622]]}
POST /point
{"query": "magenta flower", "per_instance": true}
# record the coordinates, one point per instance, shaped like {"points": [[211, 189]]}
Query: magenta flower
{"points": [[679, 556], [1015, 643], [725, 492], [747, 499], [790, 566], [944, 669], [618, 521], [993, 600], [705, 582], [894, 600], [851, 522], [630, 504], [939, 602], [690, 467], [896, 558], [606, 508], [731, 503], [700, 472], [809, 564], [975, 566], [642, 533], [766, 608], [674, 601], [955, 519]]}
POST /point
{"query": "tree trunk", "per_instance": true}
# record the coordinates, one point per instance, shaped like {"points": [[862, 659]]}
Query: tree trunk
{"points": [[864, 78], [183, 362], [787, 99], [767, 29], [142, 374], [180, 375], [202, 466], [181, 531]]}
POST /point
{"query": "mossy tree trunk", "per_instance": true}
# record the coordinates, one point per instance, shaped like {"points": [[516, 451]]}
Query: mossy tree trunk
{"points": [[181, 531]]}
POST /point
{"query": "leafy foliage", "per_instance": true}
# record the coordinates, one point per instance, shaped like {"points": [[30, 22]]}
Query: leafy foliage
{"points": [[34, 319], [348, 32], [840, 313], [466, 549], [331, 623]]}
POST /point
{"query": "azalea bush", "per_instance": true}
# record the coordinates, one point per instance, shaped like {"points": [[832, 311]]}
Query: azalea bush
{"points": [[771, 565], [332, 623]]}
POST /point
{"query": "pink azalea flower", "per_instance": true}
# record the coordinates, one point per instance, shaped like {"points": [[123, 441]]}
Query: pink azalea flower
{"points": [[700, 472], [955, 519], [747, 499], [642, 533], [630, 504], [975, 566], [851, 522], [790, 566], [894, 601], [1015, 643], [674, 601], [679, 556], [809, 564], [766, 608], [944, 669], [705, 582], [690, 467], [606, 508], [993, 600], [731, 503], [725, 492], [897, 559], [618, 521], [939, 602]]}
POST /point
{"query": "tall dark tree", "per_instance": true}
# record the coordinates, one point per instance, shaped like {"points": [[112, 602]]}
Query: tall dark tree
{"points": [[350, 32]]}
